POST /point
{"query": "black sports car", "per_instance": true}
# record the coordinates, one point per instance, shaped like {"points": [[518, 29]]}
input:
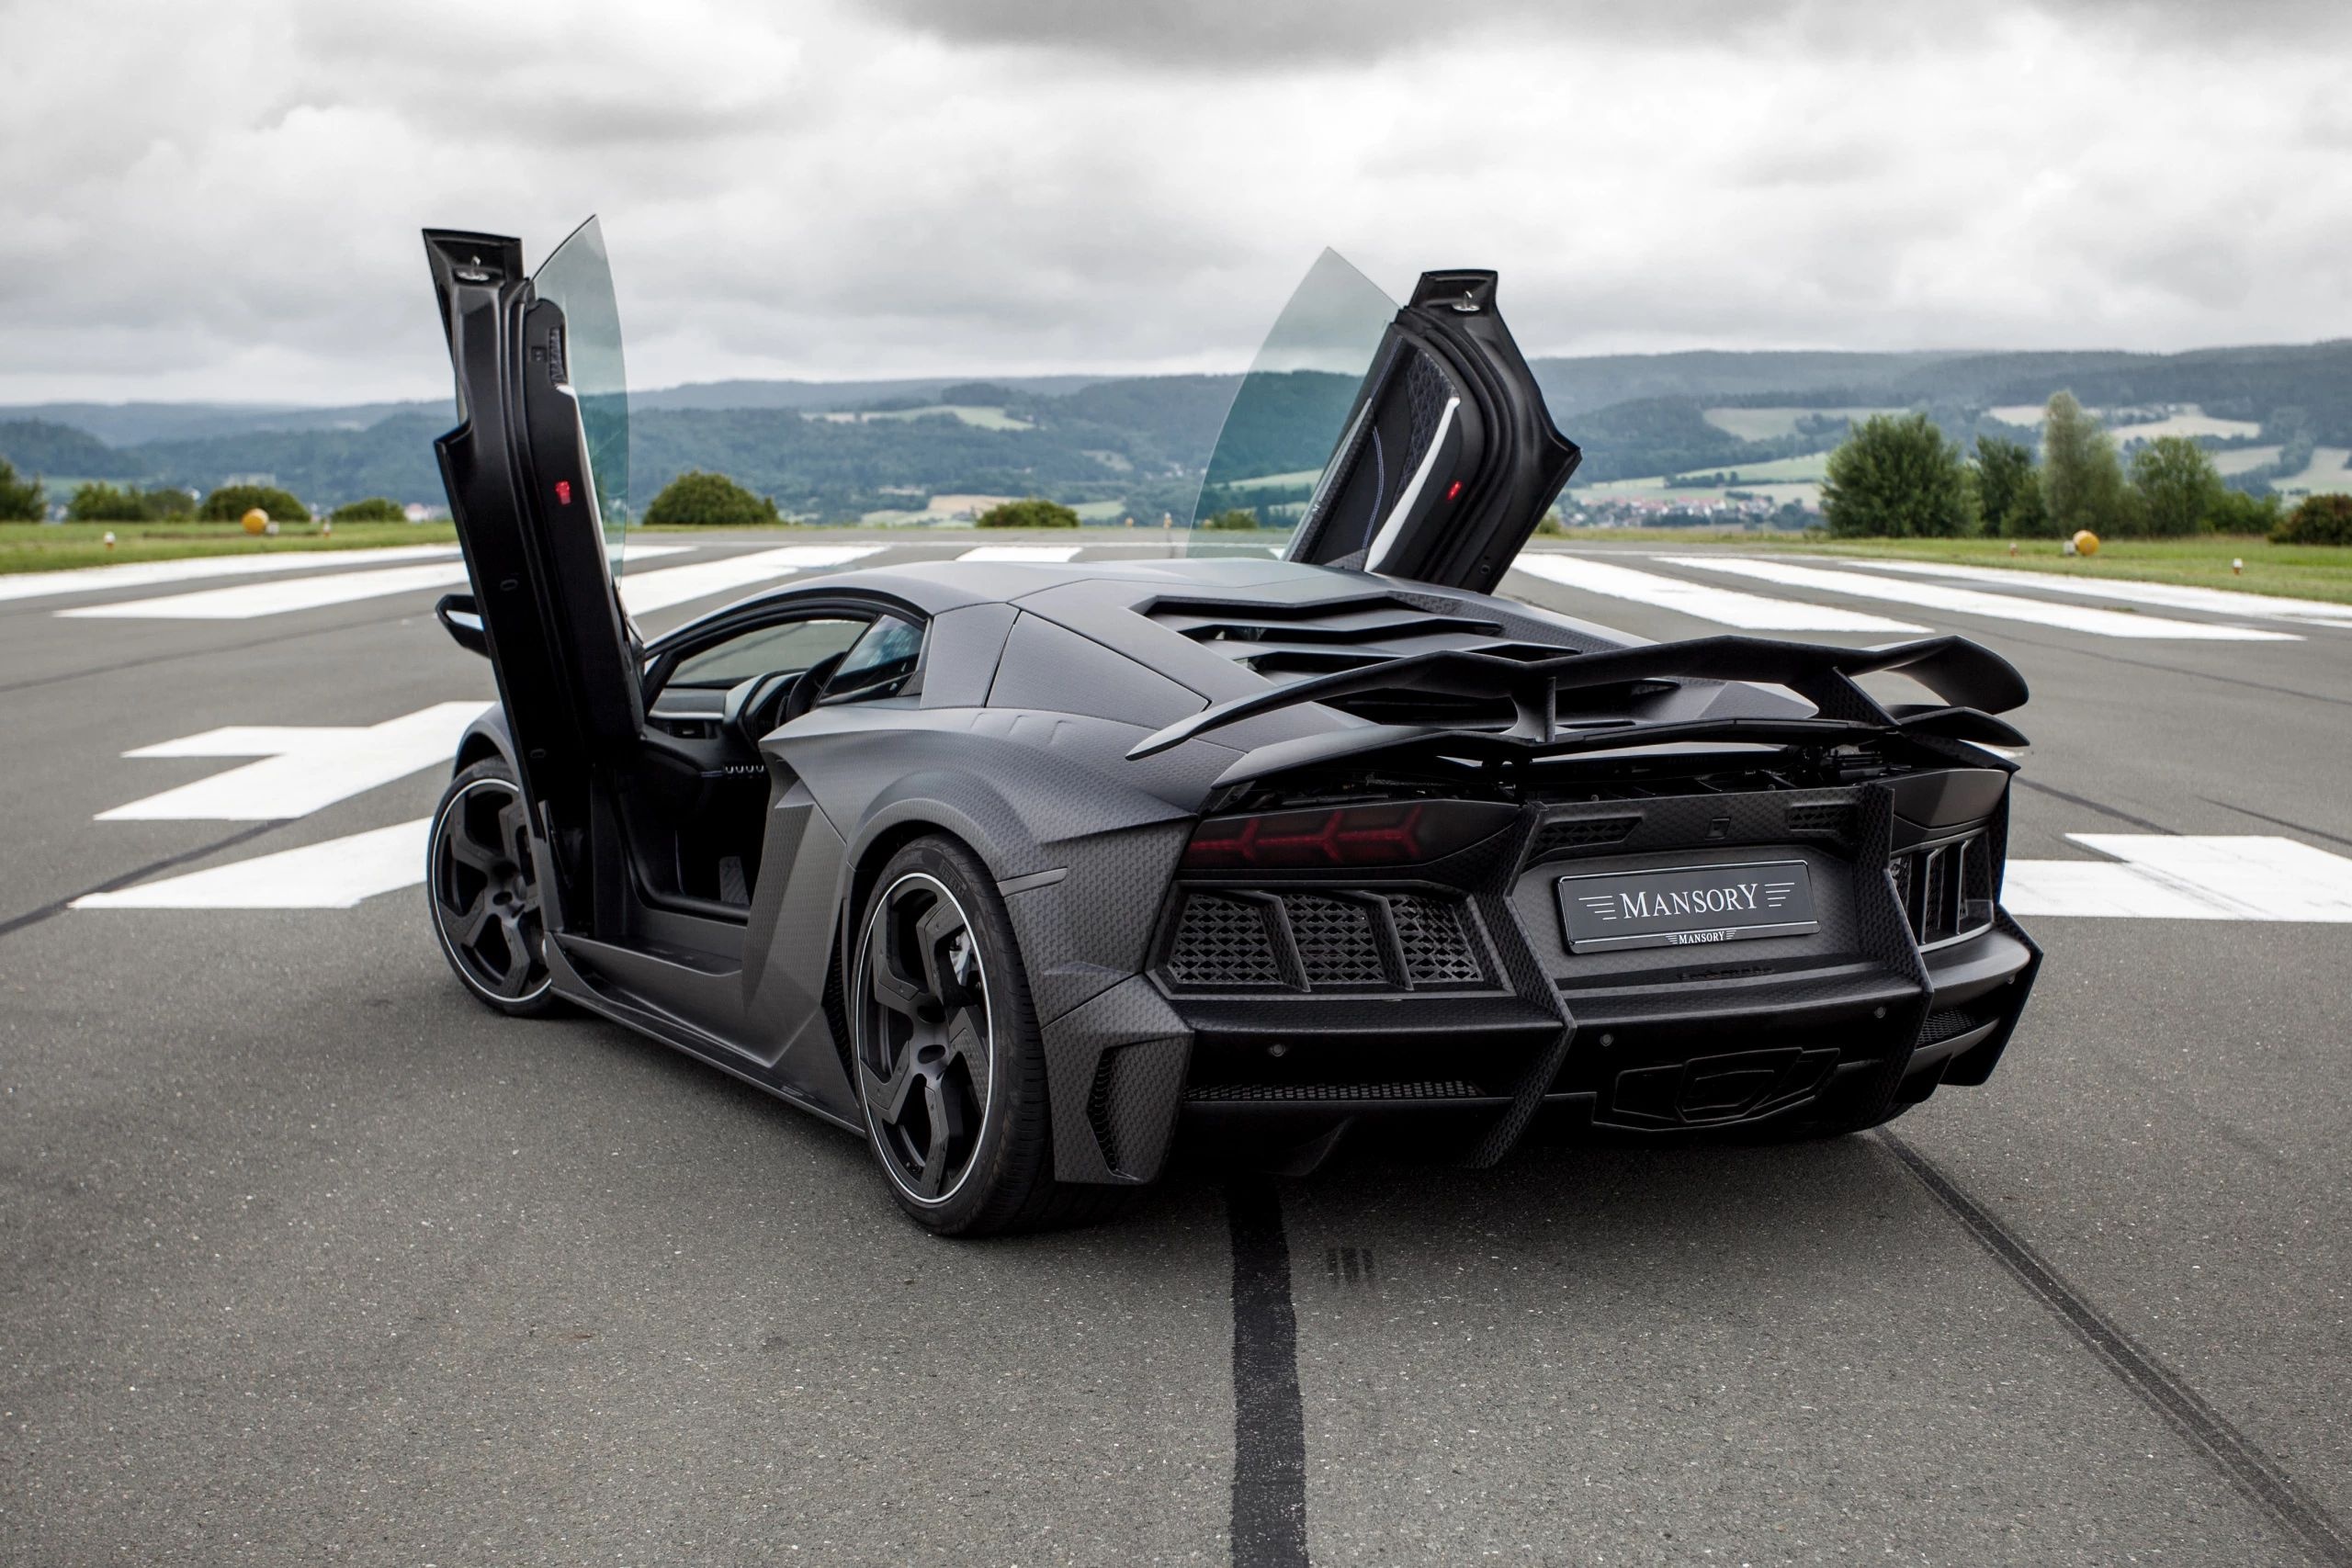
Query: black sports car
{"points": [[1020, 870]]}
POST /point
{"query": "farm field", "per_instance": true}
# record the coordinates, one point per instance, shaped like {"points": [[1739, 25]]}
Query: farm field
{"points": [[970, 414], [58, 547], [1765, 424]]}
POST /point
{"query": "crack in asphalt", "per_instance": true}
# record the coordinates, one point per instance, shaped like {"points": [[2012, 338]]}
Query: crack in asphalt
{"points": [[2246, 1467], [51, 910]]}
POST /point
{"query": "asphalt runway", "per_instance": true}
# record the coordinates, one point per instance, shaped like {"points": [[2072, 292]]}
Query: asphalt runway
{"points": [[308, 1258]]}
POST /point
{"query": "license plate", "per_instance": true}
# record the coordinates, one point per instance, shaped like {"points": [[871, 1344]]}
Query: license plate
{"points": [[1686, 905]]}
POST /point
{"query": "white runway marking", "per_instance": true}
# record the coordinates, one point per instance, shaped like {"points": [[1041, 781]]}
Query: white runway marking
{"points": [[1022, 552], [248, 600], [1969, 601], [303, 769], [2181, 878], [148, 573], [678, 584], [2171, 596], [1724, 606], [336, 875]]}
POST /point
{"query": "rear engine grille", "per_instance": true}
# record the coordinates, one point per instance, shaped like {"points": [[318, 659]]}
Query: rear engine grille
{"points": [[1821, 816], [1946, 889], [1580, 833], [1437, 949], [1323, 941], [1223, 942]]}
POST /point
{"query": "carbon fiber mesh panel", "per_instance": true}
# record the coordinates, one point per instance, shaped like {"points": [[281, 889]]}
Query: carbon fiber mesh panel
{"points": [[1223, 941], [1262, 1093], [1436, 947], [1336, 946], [1580, 833]]}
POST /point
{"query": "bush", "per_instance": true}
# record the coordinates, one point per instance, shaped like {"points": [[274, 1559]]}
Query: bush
{"points": [[1236, 518], [2235, 512], [1033, 513], [375, 509], [97, 502], [2176, 488], [21, 500], [167, 502], [2008, 493], [231, 501], [699, 499], [2082, 482], [1897, 477], [2320, 519]]}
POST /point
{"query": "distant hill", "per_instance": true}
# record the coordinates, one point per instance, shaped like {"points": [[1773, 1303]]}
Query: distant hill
{"points": [[1143, 441]]}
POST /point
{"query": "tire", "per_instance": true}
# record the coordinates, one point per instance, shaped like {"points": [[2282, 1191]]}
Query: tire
{"points": [[949, 1064], [482, 889]]}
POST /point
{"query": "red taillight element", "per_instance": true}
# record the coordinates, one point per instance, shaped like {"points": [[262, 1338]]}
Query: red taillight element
{"points": [[1453, 490], [563, 492], [1395, 833]]}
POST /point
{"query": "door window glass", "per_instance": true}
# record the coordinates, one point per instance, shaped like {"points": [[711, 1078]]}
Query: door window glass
{"points": [[1289, 412], [767, 650], [579, 278]]}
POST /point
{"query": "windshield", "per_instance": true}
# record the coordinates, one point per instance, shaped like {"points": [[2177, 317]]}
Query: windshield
{"points": [[1287, 413], [578, 278]]}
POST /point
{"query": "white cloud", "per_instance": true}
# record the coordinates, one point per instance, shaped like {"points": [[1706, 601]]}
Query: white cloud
{"points": [[222, 200]]}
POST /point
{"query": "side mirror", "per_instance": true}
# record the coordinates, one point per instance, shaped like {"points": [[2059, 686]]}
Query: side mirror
{"points": [[459, 614]]}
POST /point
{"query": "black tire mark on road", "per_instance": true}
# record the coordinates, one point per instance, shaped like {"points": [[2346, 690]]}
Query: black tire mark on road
{"points": [[1268, 1424], [2276, 821], [2248, 1469], [185, 655], [2074, 652], [48, 911], [2089, 804]]}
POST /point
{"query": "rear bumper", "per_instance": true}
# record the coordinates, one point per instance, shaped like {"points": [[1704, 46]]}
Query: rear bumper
{"points": [[1661, 1040]]}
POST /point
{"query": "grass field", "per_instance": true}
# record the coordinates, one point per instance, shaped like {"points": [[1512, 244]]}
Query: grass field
{"points": [[2295, 571], [53, 546], [1765, 424], [970, 414]]}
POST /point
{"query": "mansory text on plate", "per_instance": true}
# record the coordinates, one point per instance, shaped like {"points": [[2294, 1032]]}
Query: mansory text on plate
{"points": [[1025, 871]]}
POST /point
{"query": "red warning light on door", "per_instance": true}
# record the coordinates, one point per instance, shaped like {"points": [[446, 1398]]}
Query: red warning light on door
{"points": [[563, 492], [1453, 490]]}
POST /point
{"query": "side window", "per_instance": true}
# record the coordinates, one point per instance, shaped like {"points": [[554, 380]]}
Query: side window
{"points": [[878, 664], [764, 650]]}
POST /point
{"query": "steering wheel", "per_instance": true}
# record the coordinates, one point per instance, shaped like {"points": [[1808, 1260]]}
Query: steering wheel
{"points": [[753, 707], [810, 686]]}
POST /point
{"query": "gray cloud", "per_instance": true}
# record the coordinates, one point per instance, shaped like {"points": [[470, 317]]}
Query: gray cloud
{"points": [[1002, 186]]}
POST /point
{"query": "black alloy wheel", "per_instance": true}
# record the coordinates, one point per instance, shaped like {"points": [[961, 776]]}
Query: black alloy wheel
{"points": [[926, 1050], [483, 888]]}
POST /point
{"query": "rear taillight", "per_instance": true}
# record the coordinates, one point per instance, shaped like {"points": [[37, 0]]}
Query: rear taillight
{"points": [[1391, 833]]}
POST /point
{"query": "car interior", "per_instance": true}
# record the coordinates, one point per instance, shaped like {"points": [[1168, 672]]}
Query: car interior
{"points": [[695, 817]]}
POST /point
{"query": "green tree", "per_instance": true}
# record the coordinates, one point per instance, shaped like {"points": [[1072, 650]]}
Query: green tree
{"points": [[703, 500], [21, 500], [1897, 477], [2082, 482], [1033, 512], [2318, 520], [168, 501], [231, 501], [2008, 493], [1238, 517], [100, 502], [375, 509], [2236, 512], [2175, 486]]}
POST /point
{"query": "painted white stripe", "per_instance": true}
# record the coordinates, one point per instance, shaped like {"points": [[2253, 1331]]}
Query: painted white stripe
{"points": [[1724, 606], [1969, 601], [1022, 552], [2170, 595], [152, 574], [2184, 877], [336, 875], [303, 769], [248, 600], [678, 584]]}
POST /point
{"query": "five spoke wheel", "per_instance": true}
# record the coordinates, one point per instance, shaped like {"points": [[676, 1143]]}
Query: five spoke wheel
{"points": [[485, 892], [925, 1052]]}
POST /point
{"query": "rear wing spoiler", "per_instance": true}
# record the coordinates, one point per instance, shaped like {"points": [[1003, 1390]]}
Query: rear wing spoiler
{"points": [[1974, 682]]}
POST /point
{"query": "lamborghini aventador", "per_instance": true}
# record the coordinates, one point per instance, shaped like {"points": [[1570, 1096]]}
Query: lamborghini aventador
{"points": [[1023, 871]]}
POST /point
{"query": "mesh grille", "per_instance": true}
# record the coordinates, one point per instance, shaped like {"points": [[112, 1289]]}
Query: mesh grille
{"points": [[1425, 392], [1822, 817], [1954, 1021], [1334, 941], [1437, 949], [1436, 1089], [1559, 838], [1223, 941]]}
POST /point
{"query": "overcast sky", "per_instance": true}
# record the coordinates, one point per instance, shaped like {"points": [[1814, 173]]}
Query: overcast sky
{"points": [[222, 200]]}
